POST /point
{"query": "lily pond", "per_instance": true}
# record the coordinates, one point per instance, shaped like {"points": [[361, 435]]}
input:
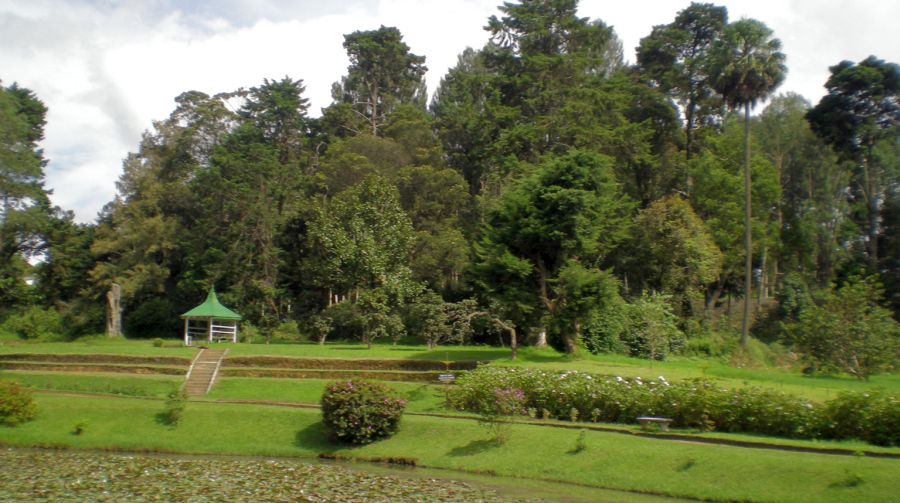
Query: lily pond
{"points": [[29, 475]]}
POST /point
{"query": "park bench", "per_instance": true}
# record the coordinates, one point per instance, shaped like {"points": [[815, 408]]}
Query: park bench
{"points": [[662, 422]]}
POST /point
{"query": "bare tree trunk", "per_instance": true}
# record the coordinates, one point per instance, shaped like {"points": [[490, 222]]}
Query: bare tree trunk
{"points": [[114, 311], [748, 245]]}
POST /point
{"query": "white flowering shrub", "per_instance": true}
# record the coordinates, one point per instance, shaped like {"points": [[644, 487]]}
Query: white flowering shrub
{"points": [[694, 403]]}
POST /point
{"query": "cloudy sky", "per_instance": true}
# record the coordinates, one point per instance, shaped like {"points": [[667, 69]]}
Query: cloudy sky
{"points": [[108, 68]]}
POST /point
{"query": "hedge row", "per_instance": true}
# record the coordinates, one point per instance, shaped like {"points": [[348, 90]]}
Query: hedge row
{"points": [[697, 403]]}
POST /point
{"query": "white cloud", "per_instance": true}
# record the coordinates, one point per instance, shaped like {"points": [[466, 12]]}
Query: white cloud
{"points": [[106, 70]]}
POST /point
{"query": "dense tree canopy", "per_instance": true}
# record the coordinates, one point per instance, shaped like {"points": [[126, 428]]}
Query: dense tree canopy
{"points": [[550, 189]]}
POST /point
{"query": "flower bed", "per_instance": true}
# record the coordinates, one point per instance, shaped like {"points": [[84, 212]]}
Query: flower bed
{"points": [[694, 403]]}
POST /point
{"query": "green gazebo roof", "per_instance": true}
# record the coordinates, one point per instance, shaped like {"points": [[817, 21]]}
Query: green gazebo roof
{"points": [[211, 308]]}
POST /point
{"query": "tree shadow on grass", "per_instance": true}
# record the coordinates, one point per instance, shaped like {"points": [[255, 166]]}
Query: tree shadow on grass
{"points": [[474, 447], [315, 437]]}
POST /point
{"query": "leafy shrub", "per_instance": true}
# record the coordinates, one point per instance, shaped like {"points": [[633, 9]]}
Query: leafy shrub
{"points": [[497, 412], [603, 330], [652, 328], [16, 404], [850, 332], [158, 343], [360, 412], [872, 416], [286, 332], [711, 344], [35, 323], [174, 409], [249, 333]]}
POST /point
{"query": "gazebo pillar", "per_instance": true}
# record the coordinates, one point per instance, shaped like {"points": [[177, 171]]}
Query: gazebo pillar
{"points": [[187, 335]]}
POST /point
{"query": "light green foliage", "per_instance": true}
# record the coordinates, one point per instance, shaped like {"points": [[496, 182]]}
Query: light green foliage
{"points": [[672, 250], [651, 330], [427, 318], [849, 331], [717, 195], [34, 323], [287, 331], [360, 238], [16, 404]]}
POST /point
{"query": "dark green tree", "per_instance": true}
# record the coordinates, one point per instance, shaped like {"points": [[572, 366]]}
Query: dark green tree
{"points": [[812, 212], [570, 209], [23, 199], [861, 110], [382, 75], [676, 57]]}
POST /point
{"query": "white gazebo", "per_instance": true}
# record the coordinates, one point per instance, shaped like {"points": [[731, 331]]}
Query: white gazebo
{"points": [[210, 321]]}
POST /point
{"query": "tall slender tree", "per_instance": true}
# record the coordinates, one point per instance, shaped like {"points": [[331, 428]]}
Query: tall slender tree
{"points": [[748, 66]]}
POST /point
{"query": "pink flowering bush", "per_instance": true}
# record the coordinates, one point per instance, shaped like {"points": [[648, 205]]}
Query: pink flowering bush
{"points": [[498, 410], [360, 412]]}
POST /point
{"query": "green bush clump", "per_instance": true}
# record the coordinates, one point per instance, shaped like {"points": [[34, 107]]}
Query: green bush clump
{"points": [[872, 416], [694, 403], [35, 323], [16, 404], [360, 412]]}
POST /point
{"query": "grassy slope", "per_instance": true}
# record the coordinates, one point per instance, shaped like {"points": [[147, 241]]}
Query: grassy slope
{"points": [[142, 386], [420, 397], [610, 460]]}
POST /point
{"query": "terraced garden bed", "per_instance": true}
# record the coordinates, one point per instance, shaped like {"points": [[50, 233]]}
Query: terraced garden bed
{"points": [[331, 374], [347, 364], [87, 367], [95, 358]]}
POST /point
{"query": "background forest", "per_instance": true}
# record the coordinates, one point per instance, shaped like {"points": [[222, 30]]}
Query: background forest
{"points": [[546, 190]]}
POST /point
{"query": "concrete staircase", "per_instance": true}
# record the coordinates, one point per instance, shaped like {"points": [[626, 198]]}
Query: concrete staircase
{"points": [[203, 372]]}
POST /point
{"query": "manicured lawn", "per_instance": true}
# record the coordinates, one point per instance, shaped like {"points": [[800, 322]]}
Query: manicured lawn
{"points": [[420, 397], [143, 386], [98, 345], [609, 460]]}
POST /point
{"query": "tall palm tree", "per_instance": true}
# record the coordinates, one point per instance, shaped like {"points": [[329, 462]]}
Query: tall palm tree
{"points": [[748, 66]]}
